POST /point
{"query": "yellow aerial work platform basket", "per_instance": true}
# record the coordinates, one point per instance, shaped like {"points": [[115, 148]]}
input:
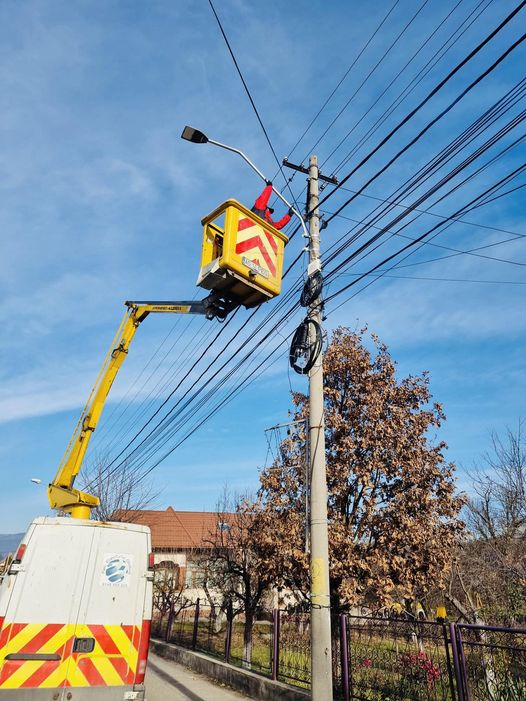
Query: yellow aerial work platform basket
{"points": [[242, 255]]}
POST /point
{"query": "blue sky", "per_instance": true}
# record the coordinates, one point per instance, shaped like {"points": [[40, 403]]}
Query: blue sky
{"points": [[102, 201]]}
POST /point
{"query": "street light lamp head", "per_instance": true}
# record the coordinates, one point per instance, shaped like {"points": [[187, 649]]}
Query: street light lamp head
{"points": [[194, 135]]}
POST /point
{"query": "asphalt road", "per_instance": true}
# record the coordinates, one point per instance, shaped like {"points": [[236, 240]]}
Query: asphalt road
{"points": [[169, 681]]}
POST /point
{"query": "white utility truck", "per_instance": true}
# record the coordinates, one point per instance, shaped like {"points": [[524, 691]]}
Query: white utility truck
{"points": [[75, 612]]}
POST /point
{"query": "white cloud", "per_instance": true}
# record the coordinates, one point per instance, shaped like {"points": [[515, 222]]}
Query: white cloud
{"points": [[38, 312], [109, 178], [406, 313]]}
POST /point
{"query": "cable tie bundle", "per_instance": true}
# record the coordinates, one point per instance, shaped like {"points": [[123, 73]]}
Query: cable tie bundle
{"points": [[311, 289], [303, 353]]}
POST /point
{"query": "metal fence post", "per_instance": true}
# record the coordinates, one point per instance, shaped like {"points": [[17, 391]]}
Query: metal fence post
{"points": [[463, 666], [448, 662], [196, 625], [344, 657], [456, 662], [275, 643]]}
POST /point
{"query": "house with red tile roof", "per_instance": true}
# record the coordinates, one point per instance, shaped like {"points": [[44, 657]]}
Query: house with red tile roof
{"points": [[180, 542], [180, 539]]}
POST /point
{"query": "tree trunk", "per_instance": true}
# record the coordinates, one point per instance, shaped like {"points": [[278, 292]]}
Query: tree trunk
{"points": [[247, 639], [161, 622], [219, 620], [169, 624], [471, 615]]}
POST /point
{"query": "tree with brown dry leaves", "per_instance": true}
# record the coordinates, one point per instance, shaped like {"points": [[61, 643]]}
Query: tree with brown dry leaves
{"points": [[393, 507]]}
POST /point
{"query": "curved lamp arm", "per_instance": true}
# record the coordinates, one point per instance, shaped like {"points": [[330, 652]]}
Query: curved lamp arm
{"points": [[197, 137]]}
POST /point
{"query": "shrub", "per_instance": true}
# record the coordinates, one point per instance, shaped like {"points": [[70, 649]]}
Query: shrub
{"points": [[419, 667]]}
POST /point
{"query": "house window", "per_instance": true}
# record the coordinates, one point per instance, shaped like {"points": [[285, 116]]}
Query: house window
{"points": [[168, 570], [189, 575], [165, 565], [194, 576]]}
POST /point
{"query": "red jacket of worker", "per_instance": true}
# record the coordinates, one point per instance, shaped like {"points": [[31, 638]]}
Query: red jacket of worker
{"points": [[262, 209]]}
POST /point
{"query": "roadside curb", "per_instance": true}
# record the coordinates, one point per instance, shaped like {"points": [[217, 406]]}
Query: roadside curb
{"points": [[248, 683]]}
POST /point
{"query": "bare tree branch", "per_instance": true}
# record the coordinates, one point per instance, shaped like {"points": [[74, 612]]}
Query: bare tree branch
{"points": [[491, 572], [119, 492]]}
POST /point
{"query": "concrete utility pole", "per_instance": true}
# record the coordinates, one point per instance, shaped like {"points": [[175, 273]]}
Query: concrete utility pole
{"points": [[321, 653]]}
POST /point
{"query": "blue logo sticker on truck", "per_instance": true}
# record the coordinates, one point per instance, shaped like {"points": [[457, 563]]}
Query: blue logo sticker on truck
{"points": [[116, 570]]}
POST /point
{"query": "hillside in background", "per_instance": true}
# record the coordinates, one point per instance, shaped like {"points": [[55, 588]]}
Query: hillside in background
{"points": [[9, 542]]}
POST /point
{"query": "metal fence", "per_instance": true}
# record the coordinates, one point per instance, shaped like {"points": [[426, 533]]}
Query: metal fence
{"points": [[374, 659], [397, 660], [492, 662], [293, 648]]}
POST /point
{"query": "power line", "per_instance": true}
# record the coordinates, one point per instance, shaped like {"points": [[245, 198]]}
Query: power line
{"points": [[436, 279], [408, 210], [173, 373], [108, 422], [241, 387], [211, 391], [456, 251], [374, 238], [444, 52], [423, 102], [349, 69], [256, 111], [481, 123], [367, 77], [294, 292], [221, 331], [427, 194], [471, 251], [444, 48], [434, 120], [460, 211], [435, 214]]}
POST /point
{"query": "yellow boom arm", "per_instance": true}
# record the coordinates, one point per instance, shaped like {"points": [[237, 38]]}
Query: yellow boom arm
{"points": [[61, 493]]}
